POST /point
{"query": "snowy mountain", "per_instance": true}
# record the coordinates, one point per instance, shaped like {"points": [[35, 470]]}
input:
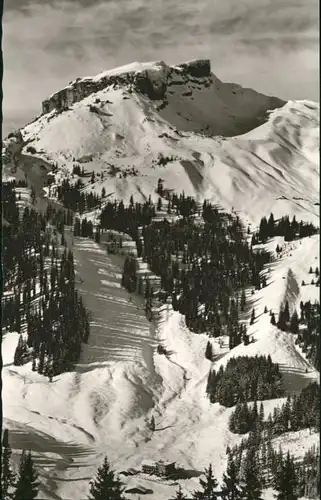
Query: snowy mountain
{"points": [[125, 125], [235, 147]]}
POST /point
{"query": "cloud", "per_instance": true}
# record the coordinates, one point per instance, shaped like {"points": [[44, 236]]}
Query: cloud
{"points": [[270, 45]]}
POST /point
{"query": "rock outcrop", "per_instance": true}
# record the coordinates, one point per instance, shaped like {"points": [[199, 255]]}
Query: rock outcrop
{"points": [[151, 82]]}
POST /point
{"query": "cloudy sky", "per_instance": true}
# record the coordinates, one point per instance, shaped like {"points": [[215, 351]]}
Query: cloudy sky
{"points": [[270, 45]]}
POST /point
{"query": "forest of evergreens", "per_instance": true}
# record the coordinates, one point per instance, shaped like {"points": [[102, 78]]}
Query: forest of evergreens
{"points": [[290, 230], [298, 412], [40, 300], [245, 379]]}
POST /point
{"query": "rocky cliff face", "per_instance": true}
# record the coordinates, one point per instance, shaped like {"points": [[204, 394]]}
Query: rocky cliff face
{"points": [[152, 82]]}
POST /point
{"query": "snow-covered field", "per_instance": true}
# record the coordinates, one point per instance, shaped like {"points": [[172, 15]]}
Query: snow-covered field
{"points": [[121, 382]]}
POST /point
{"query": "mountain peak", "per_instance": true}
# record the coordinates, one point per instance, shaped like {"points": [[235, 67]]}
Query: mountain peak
{"points": [[150, 79]]}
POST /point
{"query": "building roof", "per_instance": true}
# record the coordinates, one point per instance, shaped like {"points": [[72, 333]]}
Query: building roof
{"points": [[138, 488], [149, 463], [162, 462]]}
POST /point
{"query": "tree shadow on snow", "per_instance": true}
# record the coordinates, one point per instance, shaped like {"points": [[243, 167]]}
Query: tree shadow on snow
{"points": [[187, 473]]}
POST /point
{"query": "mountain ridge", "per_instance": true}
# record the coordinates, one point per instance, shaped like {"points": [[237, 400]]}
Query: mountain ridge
{"points": [[152, 79]]}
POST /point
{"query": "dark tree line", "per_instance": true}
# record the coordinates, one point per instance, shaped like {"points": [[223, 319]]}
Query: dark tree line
{"points": [[290, 478], [73, 196], [208, 264], [245, 379], [25, 235], [23, 485], [283, 227], [59, 324], [128, 219], [83, 228], [40, 281], [298, 412], [306, 326], [309, 334]]}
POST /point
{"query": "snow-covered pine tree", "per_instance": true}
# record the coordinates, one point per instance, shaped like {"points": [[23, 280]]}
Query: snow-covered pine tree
{"points": [[7, 474], [231, 488], [294, 324], [105, 484], [27, 485], [252, 317], [209, 351], [208, 487], [179, 495], [286, 481], [20, 351], [252, 486]]}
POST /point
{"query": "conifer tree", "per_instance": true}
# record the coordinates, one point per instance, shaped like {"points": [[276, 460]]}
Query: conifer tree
{"points": [[27, 485], [208, 485], [294, 324], [243, 300], [179, 494], [281, 324], [231, 488], [252, 317], [271, 225], [209, 351], [20, 351], [252, 486], [105, 485], [285, 481], [286, 312], [261, 414], [7, 474]]}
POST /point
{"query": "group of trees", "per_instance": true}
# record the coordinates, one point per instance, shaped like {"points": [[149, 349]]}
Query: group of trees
{"points": [[290, 478], [83, 228], [41, 298], [129, 278], [73, 196], [245, 477], [23, 485], [58, 324], [245, 379], [207, 264], [298, 412], [283, 227], [306, 327], [128, 219], [309, 335]]}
